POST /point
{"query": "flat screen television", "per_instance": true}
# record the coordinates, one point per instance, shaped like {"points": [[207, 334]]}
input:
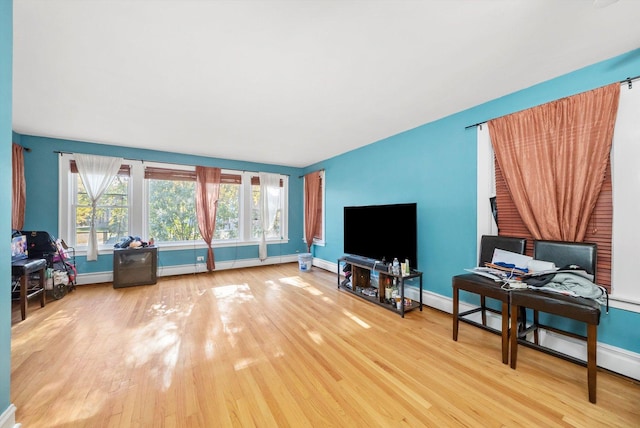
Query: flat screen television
{"points": [[382, 231]]}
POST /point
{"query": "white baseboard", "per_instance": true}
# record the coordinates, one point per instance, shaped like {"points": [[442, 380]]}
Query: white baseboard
{"points": [[609, 357], [8, 418], [100, 277], [323, 264]]}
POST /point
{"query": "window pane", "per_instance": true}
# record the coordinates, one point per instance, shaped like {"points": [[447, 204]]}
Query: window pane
{"points": [[256, 222], [172, 211], [112, 212], [228, 213]]}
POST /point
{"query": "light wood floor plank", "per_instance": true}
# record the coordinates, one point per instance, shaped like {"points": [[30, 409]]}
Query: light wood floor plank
{"points": [[274, 347]]}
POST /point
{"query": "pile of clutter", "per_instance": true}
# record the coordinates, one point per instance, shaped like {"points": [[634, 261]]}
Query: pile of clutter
{"points": [[133, 242]]}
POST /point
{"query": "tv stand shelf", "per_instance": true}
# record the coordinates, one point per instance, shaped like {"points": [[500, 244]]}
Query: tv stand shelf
{"points": [[361, 281]]}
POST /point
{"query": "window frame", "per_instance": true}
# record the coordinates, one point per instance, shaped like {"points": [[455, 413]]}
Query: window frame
{"points": [[138, 212]]}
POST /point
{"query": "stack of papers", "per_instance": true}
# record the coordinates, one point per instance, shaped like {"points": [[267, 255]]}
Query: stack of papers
{"points": [[492, 273], [495, 271]]}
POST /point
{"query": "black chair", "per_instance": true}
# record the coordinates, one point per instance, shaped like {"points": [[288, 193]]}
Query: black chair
{"points": [[576, 308], [486, 288]]}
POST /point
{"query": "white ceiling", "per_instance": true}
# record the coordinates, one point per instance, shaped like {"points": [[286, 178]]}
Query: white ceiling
{"points": [[288, 82]]}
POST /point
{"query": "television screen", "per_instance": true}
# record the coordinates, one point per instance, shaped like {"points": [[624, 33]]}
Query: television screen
{"points": [[382, 231]]}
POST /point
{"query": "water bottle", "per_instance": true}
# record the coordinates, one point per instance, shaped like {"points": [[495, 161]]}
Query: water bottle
{"points": [[396, 266]]}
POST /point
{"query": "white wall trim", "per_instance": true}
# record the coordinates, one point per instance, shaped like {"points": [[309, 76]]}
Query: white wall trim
{"points": [[8, 418], [323, 264], [100, 277], [626, 303]]}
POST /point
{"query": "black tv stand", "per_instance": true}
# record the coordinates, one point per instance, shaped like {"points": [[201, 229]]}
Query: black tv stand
{"points": [[361, 286]]}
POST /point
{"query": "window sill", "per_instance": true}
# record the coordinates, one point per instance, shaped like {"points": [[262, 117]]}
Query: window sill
{"points": [[191, 245], [625, 303]]}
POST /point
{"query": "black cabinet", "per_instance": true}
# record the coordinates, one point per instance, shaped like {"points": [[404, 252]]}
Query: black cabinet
{"points": [[134, 266]]}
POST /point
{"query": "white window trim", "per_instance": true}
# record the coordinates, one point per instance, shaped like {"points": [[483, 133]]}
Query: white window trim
{"points": [[139, 191]]}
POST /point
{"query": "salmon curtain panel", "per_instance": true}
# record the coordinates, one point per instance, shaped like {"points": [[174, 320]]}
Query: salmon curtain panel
{"points": [[19, 188], [554, 159], [311, 198], [207, 193]]}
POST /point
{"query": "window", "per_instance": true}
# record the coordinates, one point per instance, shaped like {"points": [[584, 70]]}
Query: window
{"points": [[256, 223], [158, 200], [171, 204], [228, 212], [112, 210], [599, 231], [511, 224]]}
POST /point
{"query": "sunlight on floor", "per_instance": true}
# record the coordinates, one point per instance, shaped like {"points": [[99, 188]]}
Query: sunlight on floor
{"points": [[158, 338], [228, 297], [158, 341], [244, 363], [233, 293], [356, 319], [316, 337], [298, 282]]}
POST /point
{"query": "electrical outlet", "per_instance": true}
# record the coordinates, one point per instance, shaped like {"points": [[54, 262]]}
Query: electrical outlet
{"points": [[200, 258]]}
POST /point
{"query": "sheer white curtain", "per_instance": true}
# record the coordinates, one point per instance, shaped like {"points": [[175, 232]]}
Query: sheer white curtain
{"points": [[96, 173], [269, 205]]}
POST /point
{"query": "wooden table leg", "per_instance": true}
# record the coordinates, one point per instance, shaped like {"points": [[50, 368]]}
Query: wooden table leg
{"points": [[456, 293], [514, 335], [505, 333], [23, 296], [592, 368], [42, 290]]}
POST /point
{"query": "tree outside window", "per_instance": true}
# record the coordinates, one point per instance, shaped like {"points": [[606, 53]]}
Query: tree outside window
{"points": [[112, 212]]}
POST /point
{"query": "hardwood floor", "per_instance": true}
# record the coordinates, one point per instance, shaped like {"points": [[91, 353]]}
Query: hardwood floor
{"points": [[271, 346]]}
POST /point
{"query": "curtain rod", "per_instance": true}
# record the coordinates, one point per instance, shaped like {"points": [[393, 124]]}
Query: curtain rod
{"points": [[169, 163], [628, 81], [319, 170], [26, 149]]}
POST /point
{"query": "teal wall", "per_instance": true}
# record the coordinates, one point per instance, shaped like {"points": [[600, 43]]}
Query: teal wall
{"points": [[41, 174], [6, 49], [435, 166]]}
